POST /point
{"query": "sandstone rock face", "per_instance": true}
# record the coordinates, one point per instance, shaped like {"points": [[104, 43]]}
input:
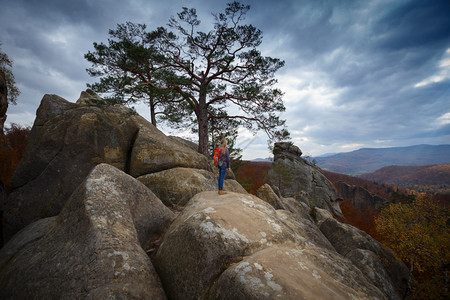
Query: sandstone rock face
{"points": [[361, 198], [296, 215], [365, 252], [94, 249], [370, 264], [307, 183], [321, 215], [153, 152], [188, 144], [250, 251], [214, 230], [26, 238], [67, 140], [286, 273], [299, 211], [175, 187], [232, 185], [286, 150], [266, 193], [89, 97]]}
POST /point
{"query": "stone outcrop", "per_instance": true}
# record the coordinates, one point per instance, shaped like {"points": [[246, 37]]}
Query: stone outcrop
{"points": [[175, 187], [266, 193], [369, 255], [305, 181], [360, 197], [239, 247], [186, 143], [113, 237], [287, 273], [94, 249], [153, 151], [67, 140], [232, 185], [286, 151], [89, 97]]}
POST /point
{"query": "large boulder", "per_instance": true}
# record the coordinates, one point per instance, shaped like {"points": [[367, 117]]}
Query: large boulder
{"points": [[67, 140], [213, 231], [184, 142], [301, 180], [286, 273], [232, 185], [199, 253], [362, 249], [286, 150], [175, 187], [153, 151], [266, 193], [95, 249], [370, 264]]}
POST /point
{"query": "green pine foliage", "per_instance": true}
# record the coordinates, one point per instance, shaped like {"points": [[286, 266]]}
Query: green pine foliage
{"points": [[194, 79]]}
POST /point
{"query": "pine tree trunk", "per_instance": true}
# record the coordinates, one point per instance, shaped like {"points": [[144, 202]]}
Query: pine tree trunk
{"points": [[3, 101], [151, 104], [202, 117]]}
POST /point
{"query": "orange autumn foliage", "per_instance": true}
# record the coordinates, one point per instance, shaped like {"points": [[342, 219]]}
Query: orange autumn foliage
{"points": [[364, 220], [12, 147], [251, 175]]}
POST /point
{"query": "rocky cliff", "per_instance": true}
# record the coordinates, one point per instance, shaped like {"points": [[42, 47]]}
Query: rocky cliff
{"points": [[94, 198], [304, 181], [361, 198]]}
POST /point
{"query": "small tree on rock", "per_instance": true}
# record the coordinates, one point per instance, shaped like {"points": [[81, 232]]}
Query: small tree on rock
{"points": [[280, 175]]}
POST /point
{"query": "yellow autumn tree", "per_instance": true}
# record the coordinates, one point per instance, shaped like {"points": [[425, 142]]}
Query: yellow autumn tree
{"points": [[418, 232]]}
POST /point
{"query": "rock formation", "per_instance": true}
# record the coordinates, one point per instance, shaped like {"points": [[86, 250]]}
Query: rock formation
{"points": [[67, 140], [94, 249], [175, 187], [306, 182], [239, 247], [360, 197], [369, 255], [95, 188]]}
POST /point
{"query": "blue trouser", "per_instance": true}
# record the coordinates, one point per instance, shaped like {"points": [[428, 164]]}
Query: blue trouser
{"points": [[222, 172]]}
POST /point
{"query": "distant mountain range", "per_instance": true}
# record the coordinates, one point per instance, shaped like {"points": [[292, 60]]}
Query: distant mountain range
{"points": [[269, 159], [368, 160]]}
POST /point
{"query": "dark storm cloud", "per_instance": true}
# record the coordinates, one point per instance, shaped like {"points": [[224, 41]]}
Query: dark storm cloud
{"points": [[373, 55], [358, 73]]}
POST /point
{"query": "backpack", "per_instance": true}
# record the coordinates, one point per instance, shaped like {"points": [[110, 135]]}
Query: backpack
{"points": [[218, 161]]}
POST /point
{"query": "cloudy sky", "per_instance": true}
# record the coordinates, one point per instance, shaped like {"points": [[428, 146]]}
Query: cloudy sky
{"points": [[358, 73]]}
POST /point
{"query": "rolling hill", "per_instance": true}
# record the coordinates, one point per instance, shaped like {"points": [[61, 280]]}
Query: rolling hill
{"points": [[368, 160], [430, 179]]}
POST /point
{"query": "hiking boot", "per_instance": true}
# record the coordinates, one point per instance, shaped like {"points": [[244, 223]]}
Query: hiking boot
{"points": [[222, 192]]}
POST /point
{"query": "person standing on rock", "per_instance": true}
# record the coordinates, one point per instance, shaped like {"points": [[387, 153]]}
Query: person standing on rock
{"points": [[223, 164]]}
